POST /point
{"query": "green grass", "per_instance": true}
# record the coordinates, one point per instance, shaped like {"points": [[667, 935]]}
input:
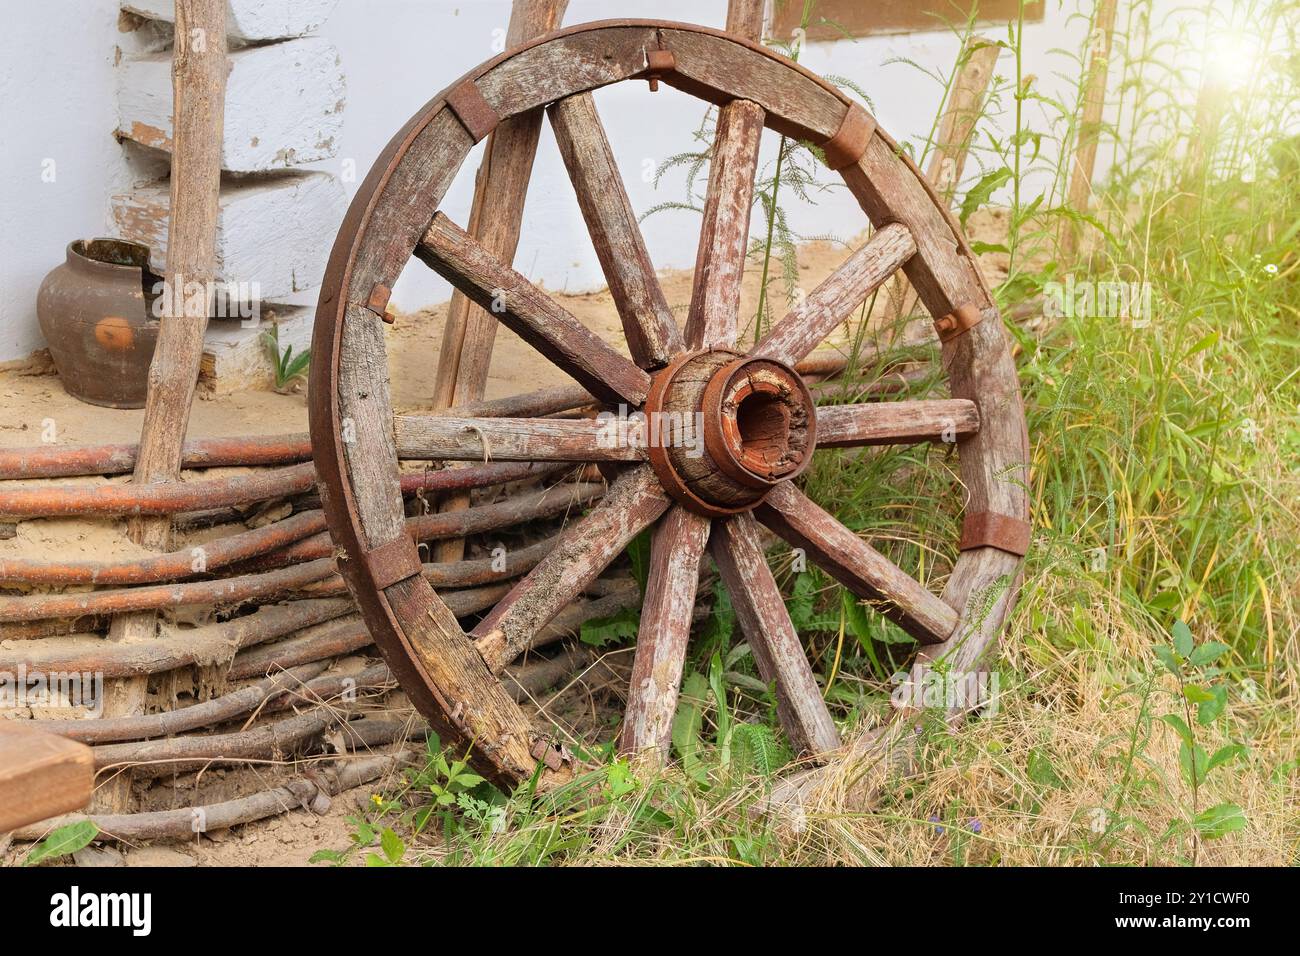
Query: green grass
{"points": [[1164, 484]]}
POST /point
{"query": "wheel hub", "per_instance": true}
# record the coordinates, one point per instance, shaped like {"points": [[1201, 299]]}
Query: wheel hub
{"points": [[723, 429]]}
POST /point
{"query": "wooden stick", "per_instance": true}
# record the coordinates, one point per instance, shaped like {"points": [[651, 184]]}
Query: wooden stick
{"points": [[68, 461], [1089, 133], [173, 648], [98, 501], [495, 218], [199, 67], [310, 793]]}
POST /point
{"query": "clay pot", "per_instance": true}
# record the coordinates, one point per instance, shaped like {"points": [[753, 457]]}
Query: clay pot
{"points": [[96, 313]]}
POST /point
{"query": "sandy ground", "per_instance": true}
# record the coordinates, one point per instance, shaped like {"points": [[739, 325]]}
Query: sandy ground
{"points": [[37, 409]]}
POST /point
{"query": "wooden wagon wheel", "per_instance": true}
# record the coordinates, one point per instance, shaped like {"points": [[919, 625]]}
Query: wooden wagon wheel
{"points": [[760, 424]]}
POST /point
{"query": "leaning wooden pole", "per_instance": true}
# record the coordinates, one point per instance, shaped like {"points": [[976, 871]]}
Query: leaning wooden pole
{"points": [[965, 105], [199, 67], [1089, 132], [495, 219]]}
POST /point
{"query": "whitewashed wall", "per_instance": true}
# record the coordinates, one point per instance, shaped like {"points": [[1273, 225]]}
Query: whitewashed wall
{"points": [[58, 96]]}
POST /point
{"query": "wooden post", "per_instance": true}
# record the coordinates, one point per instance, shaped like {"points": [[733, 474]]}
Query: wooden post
{"points": [[198, 90], [1089, 132], [494, 220], [965, 105]]}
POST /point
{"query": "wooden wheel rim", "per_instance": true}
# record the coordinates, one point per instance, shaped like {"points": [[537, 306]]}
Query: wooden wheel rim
{"points": [[351, 420]]}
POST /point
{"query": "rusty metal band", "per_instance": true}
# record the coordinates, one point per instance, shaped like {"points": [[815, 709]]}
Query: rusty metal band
{"points": [[958, 322], [473, 111], [392, 562], [993, 530], [850, 141]]}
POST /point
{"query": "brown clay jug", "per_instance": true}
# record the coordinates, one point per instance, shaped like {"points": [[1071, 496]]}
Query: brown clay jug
{"points": [[96, 313]]}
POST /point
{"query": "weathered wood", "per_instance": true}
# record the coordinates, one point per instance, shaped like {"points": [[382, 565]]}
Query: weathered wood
{"points": [[198, 68], [896, 423], [344, 636], [964, 107], [189, 562], [70, 461], [633, 501], [496, 215], [803, 328], [436, 438], [141, 498], [475, 701], [675, 552], [385, 225], [41, 775], [204, 714], [531, 314], [855, 564], [310, 792], [720, 70], [272, 232], [745, 18], [173, 647], [648, 324], [224, 591], [724, 233], [777, 650], [1088, 134], [284, 102], [252, 19]]}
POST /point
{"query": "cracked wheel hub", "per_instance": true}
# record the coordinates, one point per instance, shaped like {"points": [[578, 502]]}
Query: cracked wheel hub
{"points": [[723, 429]]}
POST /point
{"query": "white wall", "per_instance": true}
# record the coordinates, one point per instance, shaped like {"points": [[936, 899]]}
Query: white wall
{"points": [[57, 94]]}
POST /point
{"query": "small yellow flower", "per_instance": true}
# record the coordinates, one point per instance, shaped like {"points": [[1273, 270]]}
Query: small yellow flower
{"points": [[376, 799]]}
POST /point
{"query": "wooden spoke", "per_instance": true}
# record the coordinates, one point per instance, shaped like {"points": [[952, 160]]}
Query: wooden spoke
{"points": [[896, 423], [531, 314], [804, 327], [633, 502], [675, 553], [777, 649], [855, 564], [439, 438], [652, 334], [724, 234]]}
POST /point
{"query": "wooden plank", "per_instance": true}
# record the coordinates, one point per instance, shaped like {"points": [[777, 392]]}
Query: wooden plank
{"points": [[531, 314], [41, 775], [962, 111], [675, 552], [273, 232], [724, 232], [633, 502], [652, 334], [896, 423], [300, 122], [777, 649], [441, 438], [855, 564], [199, 83], [803, 328]]}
